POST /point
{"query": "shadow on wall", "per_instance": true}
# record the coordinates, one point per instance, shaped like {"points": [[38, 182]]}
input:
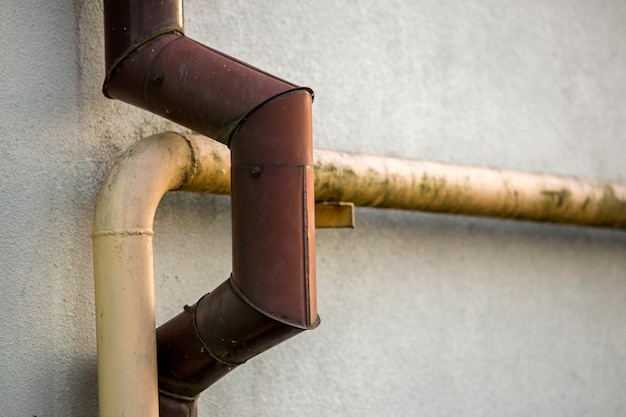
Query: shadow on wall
{"points": [[82, 383]]}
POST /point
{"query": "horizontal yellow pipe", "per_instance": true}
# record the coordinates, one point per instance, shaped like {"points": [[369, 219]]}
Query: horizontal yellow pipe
{"points": [[375, 181]]}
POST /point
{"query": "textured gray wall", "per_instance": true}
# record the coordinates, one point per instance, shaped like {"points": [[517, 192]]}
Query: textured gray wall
{"points": [[421, 314]]}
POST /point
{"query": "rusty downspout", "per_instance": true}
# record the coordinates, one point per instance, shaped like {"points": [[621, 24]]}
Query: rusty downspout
{"points": [[266, 122], [152, 65], [270, 296]]}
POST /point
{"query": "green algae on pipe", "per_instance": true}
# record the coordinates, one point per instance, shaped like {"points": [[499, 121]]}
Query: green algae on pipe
{"points": [[375, 181]]}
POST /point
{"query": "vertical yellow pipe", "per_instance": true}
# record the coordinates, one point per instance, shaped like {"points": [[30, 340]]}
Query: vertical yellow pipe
{"points": [[127, 375], [123, 261]]}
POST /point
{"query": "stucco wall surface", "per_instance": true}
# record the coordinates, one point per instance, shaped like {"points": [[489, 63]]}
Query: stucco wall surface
{"points": [[422, 314]]}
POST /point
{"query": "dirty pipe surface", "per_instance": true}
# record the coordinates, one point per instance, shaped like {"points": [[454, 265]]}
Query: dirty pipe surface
{"points": [[270, 296], [375, 181], [123, 261], [394, 183]]}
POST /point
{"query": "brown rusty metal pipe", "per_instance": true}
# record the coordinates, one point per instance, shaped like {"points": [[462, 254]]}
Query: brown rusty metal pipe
{"points": [[267, 122], [191, 84], [130, 24], [195, 348], [273, 209], [271, 294], [152, 65]]}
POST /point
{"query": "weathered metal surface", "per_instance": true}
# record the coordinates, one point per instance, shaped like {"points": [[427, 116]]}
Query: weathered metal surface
{"points": [[152, 65], [271, 295], [129, 24], [375, 181], [177, 407], [211, 338], [191, 84], [124, 284], [273, 209]]}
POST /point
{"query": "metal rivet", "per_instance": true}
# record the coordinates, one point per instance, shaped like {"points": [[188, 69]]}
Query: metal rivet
{"points": [[255, 171], [157, 78]]}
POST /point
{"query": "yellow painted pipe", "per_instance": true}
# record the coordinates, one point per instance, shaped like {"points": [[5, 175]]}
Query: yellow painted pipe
{"points": [[123, 262], [375, 181]]}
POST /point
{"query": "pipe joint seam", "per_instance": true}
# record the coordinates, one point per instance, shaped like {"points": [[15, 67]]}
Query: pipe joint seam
{"points": [[230, 131], [148, 40], [151, 64], [190, 174], [269, 315], [201, 339], [177, 396], [122, 232]]}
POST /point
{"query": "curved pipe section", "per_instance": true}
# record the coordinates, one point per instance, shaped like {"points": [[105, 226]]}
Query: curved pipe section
{"points": [[195, 349], [152, 65], [123, 263]]}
